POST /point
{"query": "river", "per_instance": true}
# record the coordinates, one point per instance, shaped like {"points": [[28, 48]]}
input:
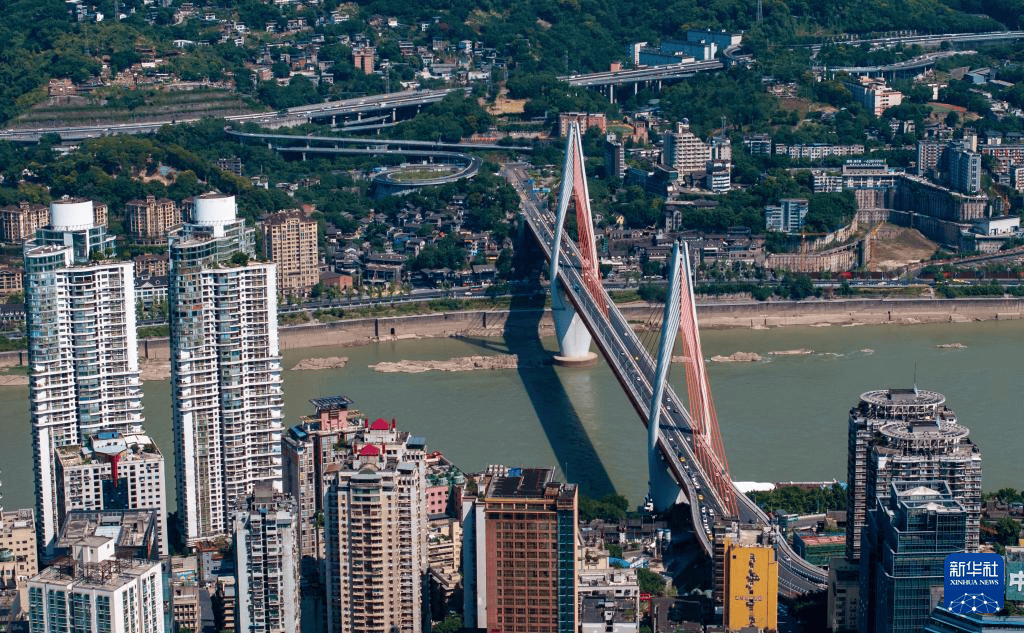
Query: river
{"points": [[783, 418]]}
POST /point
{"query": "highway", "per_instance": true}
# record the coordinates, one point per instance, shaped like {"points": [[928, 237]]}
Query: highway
{"points": [[290, 117], [375, 141], [928, 41], [637, 75], [916, 64], [633, 366]]}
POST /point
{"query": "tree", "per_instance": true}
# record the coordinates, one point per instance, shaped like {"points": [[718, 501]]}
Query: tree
{"points": [[241, 258], [1007, 531], [653, 583], [611, 507], [452, 623]]}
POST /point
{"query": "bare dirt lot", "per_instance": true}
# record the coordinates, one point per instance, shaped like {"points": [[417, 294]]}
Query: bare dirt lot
{"points": [[896, 246]]}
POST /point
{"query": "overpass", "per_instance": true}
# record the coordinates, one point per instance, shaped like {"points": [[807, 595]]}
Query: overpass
{"points": [[335, 141], [686, 458], [926, 41], [380, 109], [653, 75], [905, 68]]}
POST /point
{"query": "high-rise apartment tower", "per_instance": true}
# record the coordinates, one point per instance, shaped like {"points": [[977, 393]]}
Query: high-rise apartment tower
{"points": [[376, 534], [225, 367], [267, 563], [82, 350]]}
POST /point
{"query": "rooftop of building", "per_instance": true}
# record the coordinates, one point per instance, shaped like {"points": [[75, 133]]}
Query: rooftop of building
{"points": [[744, 535], [940, 430], [280, 217], [107, 575], [915, 397], [22, 518], [528, 483], [826, 539], [129, 528], [129, 447], [331, 403], [928, 495], [608, 610]]}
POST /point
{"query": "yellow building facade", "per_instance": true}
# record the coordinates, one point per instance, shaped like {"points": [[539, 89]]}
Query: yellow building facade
{"points": [[751, 587]]}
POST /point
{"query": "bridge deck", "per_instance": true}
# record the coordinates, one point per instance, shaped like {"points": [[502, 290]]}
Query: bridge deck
{"points": [[633, 365]]}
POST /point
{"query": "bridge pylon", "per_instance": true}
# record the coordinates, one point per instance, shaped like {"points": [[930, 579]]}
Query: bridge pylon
{"points": [[573, 338], [664, 491]]}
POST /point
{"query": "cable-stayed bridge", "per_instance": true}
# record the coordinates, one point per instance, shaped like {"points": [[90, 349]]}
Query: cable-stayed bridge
{"points": [[686, 457]]}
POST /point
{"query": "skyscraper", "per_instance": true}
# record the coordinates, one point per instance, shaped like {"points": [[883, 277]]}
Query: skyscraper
{"points": [[376, 533], [267, 563], [82, 351], [519, 552], [907, 434], [931, 448], [225, 367], [907, 537]]}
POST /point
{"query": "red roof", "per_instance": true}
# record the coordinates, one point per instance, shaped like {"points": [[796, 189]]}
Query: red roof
{"points": [[369, 450], [380, 424]]}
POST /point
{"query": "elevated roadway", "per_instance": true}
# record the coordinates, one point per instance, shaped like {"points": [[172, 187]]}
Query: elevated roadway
{"points": [[927, 41], [388, 104], [372, 141], [634, 368], [641, 75], [904, 68]]}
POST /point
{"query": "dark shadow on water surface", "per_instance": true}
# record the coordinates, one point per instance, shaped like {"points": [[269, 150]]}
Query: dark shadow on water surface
{"points": [[551, 403]]}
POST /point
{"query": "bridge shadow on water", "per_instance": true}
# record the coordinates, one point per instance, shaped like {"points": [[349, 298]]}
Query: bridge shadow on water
{"points": [[565, 432]]}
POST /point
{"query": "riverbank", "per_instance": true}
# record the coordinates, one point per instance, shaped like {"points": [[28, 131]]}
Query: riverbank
{"points": [[711, 316], [154, 353]]}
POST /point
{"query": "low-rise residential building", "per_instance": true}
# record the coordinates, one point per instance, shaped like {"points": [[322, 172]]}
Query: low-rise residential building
{"points": [[11, 281], [818, 151], [875, 95], [185, 610], [585, 120], [609, 600], [18, 553]]}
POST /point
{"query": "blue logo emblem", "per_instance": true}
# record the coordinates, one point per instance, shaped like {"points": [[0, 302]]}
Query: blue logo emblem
{"points": [[975, 583]]}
